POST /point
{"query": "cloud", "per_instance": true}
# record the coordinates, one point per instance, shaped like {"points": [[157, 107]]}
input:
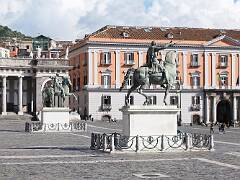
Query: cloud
{"points": [[61, 19]]}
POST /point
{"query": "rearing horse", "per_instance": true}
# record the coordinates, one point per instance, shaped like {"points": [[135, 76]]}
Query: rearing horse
{"points": [[144, 76]]}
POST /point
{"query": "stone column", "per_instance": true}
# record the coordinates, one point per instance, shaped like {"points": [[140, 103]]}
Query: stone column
{"points": [[213, 70], [207, 110], [184, 69], [214, 109], [20, 84], [90, 73], [117, 69], [234, 109], [206, 69], [233, 70], [4, 96], [95, 57], [140, 58]]}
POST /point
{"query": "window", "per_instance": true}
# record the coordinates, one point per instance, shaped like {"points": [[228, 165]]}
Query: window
{"points": [[223, 61], [129, 58], [195, 99], [173, 100], [106, 81], [105, 58], [195, 103], [130, 100], [223, 79], [195, 80], [106, 103], [194, 61], [153, 100]]}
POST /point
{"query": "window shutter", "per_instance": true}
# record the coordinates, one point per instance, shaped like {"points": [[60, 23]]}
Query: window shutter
{"points": [[109, 57], [154, 100], [109, 80], [102, 80], [125, 57]]}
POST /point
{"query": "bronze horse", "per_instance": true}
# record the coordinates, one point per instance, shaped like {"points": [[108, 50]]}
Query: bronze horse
{"points": [[145, 76]]}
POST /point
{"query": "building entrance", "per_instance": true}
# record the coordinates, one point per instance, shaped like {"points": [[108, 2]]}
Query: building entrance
{"points": [[224, 112]]}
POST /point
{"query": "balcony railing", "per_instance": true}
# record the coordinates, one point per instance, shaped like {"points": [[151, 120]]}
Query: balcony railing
{"points": [[106, 107], [106, 62], [194, 64], [195, 107], [223, 65], [129, 62]]}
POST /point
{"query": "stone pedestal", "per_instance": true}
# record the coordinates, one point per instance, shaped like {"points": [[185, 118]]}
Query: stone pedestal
{"points": [[149, 120], [55, 118]]}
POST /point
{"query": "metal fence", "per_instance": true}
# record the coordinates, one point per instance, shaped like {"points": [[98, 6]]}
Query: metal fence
{"points": [[182, 141], [55, 127]]}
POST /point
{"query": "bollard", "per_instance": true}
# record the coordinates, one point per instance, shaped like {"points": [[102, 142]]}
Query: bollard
{"points": [[162, 142], [112, 149], [211, 143], [104, 142], [137, 143], [98, 141], [92, 141], [186, 141], [190, 145]]}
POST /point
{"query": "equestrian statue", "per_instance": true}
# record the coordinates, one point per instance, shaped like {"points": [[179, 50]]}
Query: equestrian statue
{"points": [[161, 73], [59, 86]]}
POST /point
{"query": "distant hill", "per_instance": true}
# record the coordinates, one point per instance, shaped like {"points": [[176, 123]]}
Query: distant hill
{"points": [[6, 32]]}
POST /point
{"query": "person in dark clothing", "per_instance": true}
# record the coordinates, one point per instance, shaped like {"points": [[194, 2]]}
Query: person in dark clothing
{"points": [[211, 128]]}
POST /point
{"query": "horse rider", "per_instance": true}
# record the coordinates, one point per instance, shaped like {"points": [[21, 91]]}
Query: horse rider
{"points": [[152, 61]]}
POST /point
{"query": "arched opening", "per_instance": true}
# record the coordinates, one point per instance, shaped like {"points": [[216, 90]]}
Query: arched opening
{"points": [[196, 119], [224, 112], [106, 117]]}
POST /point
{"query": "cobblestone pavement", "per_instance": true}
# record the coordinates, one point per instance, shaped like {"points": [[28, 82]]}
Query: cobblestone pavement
{"points": [[67, 156]]}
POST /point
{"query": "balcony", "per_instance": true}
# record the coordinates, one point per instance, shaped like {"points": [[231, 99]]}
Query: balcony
{"points": [[105, 62], [106, 107], [129, 62], [223, 65], [194, 65], [195, 107]]}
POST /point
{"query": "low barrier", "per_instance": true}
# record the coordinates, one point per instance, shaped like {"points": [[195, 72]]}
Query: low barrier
{"points": [[37, 126], [182, 141]]}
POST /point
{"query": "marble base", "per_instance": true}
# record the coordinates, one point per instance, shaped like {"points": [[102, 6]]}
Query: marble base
{"points": [[55, 116], [149, 120]]}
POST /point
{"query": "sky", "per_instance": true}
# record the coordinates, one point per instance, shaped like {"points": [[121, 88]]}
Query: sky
{"points": [[72, 19]]}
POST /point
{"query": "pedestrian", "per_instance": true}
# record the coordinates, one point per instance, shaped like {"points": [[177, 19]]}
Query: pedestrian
{"points": [[223, 128], [211, 128]]}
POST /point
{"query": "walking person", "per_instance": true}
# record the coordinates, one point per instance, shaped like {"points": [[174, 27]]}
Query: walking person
{"points": [[211, 128]]}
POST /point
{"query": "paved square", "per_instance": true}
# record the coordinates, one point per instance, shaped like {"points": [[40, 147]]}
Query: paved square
{"points": [[67, 156]]}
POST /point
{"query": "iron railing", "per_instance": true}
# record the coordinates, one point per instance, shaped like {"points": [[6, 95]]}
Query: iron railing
{"points": [[37, 126], [182, 141]]}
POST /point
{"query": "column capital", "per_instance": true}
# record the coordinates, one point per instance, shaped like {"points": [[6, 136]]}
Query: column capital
{"points": [[184, 53]]}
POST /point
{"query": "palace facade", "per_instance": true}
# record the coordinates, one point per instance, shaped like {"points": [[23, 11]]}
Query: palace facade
{"points": [[208, 70]]}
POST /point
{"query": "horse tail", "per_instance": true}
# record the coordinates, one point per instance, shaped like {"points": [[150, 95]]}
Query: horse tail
{"points": [[126, 78]]}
